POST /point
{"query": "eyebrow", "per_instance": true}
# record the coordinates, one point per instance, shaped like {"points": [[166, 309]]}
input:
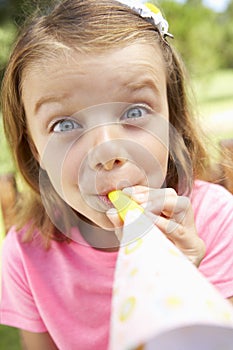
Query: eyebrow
{"points": [[49, 99], [147, 82], [132, 85]]}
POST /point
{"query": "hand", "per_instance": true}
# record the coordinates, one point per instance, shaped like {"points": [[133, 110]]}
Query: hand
{"points": [[172, 214]]}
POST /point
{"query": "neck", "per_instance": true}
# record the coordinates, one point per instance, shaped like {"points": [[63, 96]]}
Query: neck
{"points": [[98, 237]]}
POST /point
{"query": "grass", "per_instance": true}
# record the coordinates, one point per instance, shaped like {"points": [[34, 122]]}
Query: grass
{"points": [[215, 88], [215, 100], [9, 338], [214, 97]]}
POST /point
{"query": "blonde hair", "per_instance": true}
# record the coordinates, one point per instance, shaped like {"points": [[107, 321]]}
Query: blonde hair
{"points": [[87, 26]]}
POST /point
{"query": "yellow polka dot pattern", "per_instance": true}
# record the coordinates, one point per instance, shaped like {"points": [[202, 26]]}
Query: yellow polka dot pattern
{"points": [[156, 289]]}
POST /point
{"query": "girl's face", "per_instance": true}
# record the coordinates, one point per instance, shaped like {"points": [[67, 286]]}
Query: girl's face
{"points": [[99, 122]]}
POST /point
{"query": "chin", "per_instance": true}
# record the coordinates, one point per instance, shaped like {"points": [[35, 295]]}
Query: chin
{"points": [[105, 224], [99, 220]]}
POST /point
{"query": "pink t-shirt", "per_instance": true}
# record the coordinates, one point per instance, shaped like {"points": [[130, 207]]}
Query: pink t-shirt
{"points": [[67, 290], [213, 212]]}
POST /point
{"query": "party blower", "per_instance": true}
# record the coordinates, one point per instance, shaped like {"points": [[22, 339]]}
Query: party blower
{"points": [[160, 300]]}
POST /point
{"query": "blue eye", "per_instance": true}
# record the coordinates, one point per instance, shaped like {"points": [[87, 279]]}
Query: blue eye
{"points": [[134, 113], [65, 126]]}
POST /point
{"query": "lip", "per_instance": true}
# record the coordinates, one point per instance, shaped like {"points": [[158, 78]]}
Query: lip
{"points": [[103, 196], [106, 191], [120, 185], [104, 199]]}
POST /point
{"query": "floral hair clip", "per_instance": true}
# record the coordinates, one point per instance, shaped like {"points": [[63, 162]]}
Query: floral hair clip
{"points": [[151, 13]]}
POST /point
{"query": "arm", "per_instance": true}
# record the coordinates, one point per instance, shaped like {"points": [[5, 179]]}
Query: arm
{"points": [[36, 341]]}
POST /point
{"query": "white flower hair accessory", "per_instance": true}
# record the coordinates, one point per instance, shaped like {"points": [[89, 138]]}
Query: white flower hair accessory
{"points": [[149, 12]]}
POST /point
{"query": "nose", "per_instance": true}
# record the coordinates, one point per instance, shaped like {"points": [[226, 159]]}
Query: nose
{"points": [[108, 151], [111, 164]]}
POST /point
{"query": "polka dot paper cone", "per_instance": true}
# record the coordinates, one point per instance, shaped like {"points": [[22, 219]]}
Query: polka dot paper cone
{"points": [[160, 300]]}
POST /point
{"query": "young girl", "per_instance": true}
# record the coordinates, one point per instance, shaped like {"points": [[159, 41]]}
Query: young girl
{"points": [[93, 100]]}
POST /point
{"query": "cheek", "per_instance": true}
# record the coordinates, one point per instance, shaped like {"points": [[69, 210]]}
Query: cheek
{"points": [[71, 166], [155, 162], [62, 159], [158, 150], [155, 139]]}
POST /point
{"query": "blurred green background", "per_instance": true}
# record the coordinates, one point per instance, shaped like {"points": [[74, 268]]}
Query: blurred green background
{"points": [[204, 38]]}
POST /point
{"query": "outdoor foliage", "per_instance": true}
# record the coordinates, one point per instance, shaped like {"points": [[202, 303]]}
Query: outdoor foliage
{"points": [[9, 338], [6, 164], [7, 35], [203, 37]]}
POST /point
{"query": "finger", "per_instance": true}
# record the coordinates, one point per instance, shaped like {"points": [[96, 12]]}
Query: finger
{"points": [[167, 226], [175, 232], [135, 190], [138, 193], [189, 243], [175, 207], [143, 194], [163, 202], [187, 240]]}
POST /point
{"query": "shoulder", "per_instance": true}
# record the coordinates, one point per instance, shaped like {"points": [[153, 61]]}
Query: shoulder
{"points": [[17, 307], [14, 242], [18, 254], [14, 250], [205, 191], [213, 211], [211, 201]]}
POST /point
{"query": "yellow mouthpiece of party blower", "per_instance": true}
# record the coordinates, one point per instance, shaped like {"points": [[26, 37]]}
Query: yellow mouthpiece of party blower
{"points": [[123, 203]]}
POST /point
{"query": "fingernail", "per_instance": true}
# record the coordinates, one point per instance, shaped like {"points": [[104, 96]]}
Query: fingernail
{"points": [[128, 190]]}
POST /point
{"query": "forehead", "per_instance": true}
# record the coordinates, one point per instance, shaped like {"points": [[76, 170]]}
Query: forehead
{"points": [[139, 54], [108, 69]]}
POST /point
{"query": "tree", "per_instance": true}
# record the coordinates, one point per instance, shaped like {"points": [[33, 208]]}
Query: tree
{"points": [[226, 45], [12, 14], [196, 34]]}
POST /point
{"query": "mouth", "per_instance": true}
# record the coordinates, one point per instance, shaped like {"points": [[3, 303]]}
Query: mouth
{"points": [[104, 199]]}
